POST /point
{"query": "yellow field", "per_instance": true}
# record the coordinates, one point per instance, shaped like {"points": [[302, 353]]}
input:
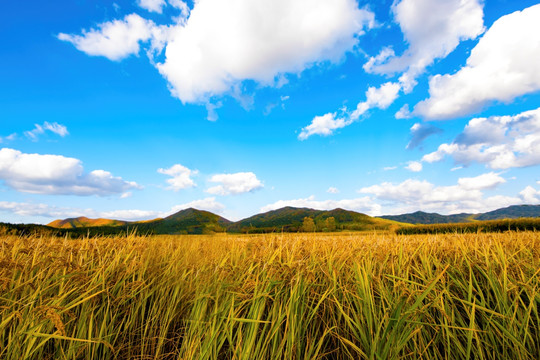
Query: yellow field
{"points": [[290, 296]]}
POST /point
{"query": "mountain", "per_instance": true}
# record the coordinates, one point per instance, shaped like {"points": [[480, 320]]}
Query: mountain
{"points": [[511, 212], [82, 221], [188, 221], [421, 217], [290, 219]]}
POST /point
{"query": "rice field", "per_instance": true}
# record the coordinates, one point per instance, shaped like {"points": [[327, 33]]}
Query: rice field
{"points": [[274, 296]]}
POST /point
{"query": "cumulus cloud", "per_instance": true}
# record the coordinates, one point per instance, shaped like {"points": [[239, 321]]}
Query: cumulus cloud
{"points": [[55, 128], [233, 184], [420, 132], [414, 166], [224, 43], [502, 66], [332, 190], [324, 125], [55, 174], [181, 177], [433, 29], [465, 196], [363, 205], [152, 5], [114, 40], [499, 142]]}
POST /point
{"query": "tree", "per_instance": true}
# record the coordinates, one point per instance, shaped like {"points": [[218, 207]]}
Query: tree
{"points": [[308, 225], [330, 224]]}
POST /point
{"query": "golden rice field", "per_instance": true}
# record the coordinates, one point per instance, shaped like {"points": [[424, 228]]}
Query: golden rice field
{"points": [[285, 296]]}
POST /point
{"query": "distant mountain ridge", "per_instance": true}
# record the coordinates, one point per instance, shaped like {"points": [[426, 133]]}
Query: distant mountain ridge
{"points": [[72, 223], [287, 219], [510, 212]]}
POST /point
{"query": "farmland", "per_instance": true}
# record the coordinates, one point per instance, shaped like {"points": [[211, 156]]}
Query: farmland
{"points": [[348, 295]]}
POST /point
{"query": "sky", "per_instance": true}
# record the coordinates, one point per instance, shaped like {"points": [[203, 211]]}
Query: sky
{"points": [[137, 109]]}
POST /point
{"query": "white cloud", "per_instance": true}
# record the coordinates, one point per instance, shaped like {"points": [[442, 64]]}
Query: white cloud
{"points": [[380, 97], [55, 174], [502, 66], [152, 5], [323, 125], [388, 168], [10, 137], [225, 43], [465, 196], [485, 181], [55, 128], [332, 190], [208, 204], [55, 212], [363, 205], [403, 112], [114, 40], [237, 183], [414, 166], [181, 177], [500, 142], [530, 195], [433, 29]]}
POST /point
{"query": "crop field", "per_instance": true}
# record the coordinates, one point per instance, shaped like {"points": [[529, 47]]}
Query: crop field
{"points": [[272, 296]]}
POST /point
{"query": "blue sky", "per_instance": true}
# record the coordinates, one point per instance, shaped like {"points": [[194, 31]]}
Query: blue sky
{"points": [[137, 109]]}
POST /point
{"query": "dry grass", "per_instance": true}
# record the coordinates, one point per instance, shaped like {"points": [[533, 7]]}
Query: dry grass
{"points": [[291, 296]]}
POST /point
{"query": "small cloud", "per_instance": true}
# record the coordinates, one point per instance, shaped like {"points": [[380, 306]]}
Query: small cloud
{"points": [[181, 177], [114, 40], [126, 195], [233, 184], [332, 190], [456, 168], [8, 138], [388, 168], [324, 125], [414, 166], [403, 113], [152, 5], [211, 109], [55, 128]]}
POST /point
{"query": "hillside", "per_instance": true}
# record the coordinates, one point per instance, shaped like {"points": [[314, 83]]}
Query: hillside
{"points": [[82, 221], [290, 219], [511, 212]]}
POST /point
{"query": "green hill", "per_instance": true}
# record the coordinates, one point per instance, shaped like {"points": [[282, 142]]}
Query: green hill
{"points": [[290, 219], [189, 221]]}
